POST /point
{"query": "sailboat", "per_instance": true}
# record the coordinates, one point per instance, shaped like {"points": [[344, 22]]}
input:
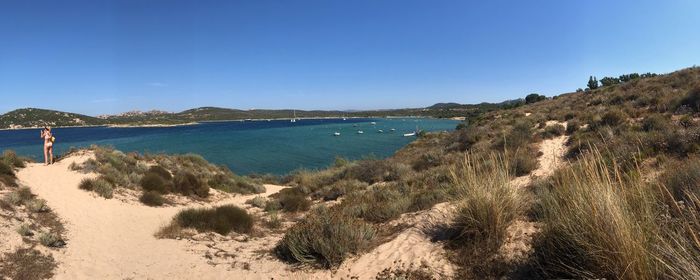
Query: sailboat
{"points": [[294, 119], [336, 134], [360, 132]]}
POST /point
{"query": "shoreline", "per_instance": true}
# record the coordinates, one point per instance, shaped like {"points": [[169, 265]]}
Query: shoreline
{"points": [[231, 120]]}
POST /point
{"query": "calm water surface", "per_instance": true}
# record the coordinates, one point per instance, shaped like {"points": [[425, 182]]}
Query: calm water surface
{"points": [[277, 146]]}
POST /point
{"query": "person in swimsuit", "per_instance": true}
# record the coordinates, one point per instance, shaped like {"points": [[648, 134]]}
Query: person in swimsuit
{"points": [[48, 145]]}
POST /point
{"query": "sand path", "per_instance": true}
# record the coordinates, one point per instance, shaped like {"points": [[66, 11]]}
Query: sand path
{"points": [[109, 239]]}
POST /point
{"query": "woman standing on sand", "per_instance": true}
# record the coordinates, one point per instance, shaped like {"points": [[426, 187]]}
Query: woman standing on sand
{"points": [[48, 145]]}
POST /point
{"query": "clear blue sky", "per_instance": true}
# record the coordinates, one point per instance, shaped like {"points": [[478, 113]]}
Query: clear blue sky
{"points": [[97, 57]]}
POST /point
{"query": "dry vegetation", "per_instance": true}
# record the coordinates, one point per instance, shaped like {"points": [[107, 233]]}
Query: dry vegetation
{"points": [[32, 220], [626, 207], [187, 175]]}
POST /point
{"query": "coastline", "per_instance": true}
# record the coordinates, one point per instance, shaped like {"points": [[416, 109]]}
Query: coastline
{"points": [[231, 120]]}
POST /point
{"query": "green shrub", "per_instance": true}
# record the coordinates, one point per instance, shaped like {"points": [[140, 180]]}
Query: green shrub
{"points": [[257, 201], [162, 172], [24, 194], [103, 187], [154, 182], [50, 239], [691, 100], [37, 205], [6, 169], [187, 183], [613, 118], [682, 178], [222, 220], [656, 122], [467, 137], [87, 184], [378, 205], [339, 189], [522, 163], [518, 137], [152, 198], [428, 160], [24, 230], [425, 199], [293, 200], [325, 237], [273, 221], [572, 126], [10, 158], [373, 170], [553, 131]]}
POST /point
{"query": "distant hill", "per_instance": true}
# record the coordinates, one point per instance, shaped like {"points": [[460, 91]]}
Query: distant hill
{"points": [[32, 117]]}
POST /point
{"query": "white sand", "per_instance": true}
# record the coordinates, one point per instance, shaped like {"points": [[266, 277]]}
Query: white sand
{"points": [[109, 239]]}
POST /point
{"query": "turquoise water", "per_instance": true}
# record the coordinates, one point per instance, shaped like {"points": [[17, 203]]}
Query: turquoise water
{"points": [[277, 146]]}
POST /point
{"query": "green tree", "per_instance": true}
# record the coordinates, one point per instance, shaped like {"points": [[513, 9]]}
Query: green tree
{"points": [[592, 82], [609, 81], [534, 97]]}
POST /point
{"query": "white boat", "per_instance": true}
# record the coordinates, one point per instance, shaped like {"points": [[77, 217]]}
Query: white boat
{"points": [[294, 119], [409, 134], [360, 132], [380, 131], [373, 123], [336, 134], [393, 129]]}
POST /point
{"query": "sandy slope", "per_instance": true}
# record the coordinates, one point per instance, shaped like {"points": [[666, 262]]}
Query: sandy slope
{"points": [[109, 239]]}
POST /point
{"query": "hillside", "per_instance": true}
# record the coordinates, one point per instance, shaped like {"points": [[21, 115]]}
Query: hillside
{"points": [[32, 117], [593, 184]]}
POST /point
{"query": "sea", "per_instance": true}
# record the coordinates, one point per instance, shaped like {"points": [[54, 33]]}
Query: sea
{"points": [[246, 147]]}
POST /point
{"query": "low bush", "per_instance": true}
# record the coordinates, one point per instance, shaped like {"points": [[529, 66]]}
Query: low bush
{"points": [[682, 178], [293, 200], [37, 205], [378, 205], [25, 230], [324, 238], [553, 131], [373, 170], [428, 160], [613, 118], [162, 172], [187, 183], [257, 201], [87, 184], [523, 162], [656, 122], [152, 198], [50, 239], [103, 187], [273, 221], [221, 220], [425, 199], [10, 158], [691, 100], [154, 182], [339, 189], [572, 126]]}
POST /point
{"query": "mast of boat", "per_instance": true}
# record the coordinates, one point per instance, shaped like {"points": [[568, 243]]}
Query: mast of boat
{"points": [[294, 118]]}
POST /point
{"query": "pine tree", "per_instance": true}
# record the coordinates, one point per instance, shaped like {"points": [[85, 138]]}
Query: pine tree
{"points": [[592, 83]]}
